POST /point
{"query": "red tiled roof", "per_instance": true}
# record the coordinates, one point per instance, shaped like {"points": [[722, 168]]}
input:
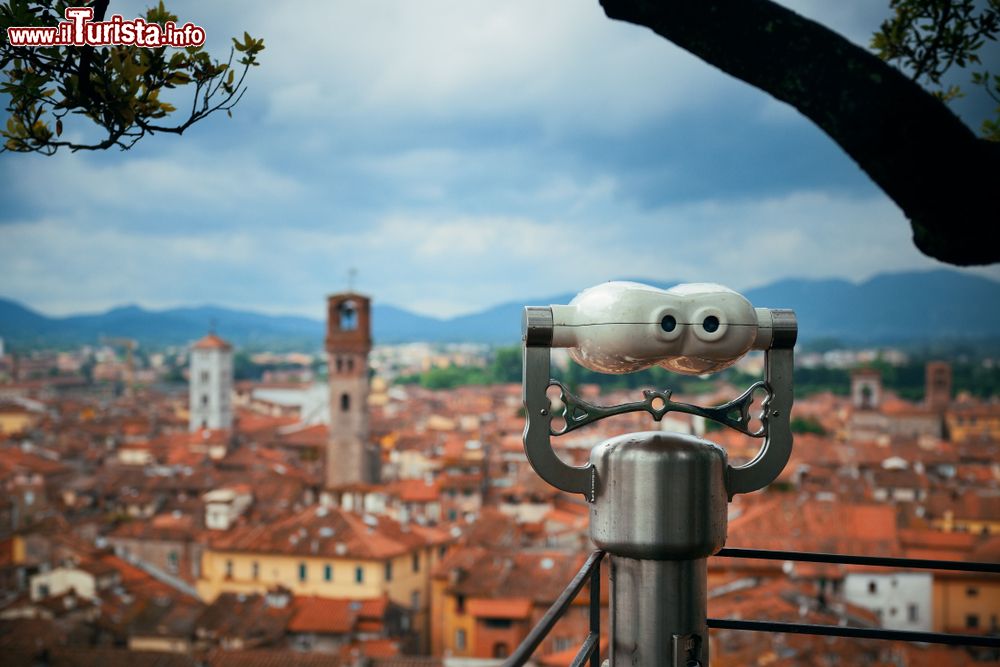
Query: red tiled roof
{"points": [[272, 658], [372, 648], [212, 342], [326, 532], [415, 491], [322, 616]]}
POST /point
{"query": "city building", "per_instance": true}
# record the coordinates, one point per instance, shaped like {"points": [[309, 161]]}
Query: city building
{"points": [[328, 553], [211, 384], [350, 457]]}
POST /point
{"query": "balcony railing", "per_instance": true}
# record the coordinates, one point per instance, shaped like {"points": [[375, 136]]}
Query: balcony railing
{"points": [[591, 570]]}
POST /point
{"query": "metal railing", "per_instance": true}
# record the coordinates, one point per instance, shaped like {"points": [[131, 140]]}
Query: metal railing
{"points": [[591, 645], [590, 650]]}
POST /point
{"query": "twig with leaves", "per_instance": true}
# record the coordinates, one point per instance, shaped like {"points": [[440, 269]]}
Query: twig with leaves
{"points": [[116, 88]]}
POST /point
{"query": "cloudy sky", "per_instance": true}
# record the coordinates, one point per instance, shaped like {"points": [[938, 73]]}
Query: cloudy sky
{"points": [[457, 154]]}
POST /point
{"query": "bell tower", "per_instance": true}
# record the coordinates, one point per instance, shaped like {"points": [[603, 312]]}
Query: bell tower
{"points": [[349, 457]]}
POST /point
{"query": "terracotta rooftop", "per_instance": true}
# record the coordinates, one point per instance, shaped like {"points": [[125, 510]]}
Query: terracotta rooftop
{"points": [[330, 533], [272, 658], [212, 342], [335, 616], [484, 573]]}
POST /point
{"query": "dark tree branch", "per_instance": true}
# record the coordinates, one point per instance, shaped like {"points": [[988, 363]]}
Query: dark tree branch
{"points": [[923, 157], [87, 52]]}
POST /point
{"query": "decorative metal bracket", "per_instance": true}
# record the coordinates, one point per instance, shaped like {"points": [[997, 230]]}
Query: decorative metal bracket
{"points": [[735, 413], [775, 417]]}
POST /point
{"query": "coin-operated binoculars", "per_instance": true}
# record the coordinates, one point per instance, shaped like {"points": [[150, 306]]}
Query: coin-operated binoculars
{"points": [[658, 499]]}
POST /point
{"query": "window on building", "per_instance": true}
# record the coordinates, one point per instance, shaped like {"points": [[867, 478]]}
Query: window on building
{"points": [[43, 590], [204, 400], [255, 570], [972, 621], [303, 571], [229, 569], [345, 402], [459, 604], [348, 316], [497, 623], [204, 377], [359, 575], [172, 561], [500, 650], [415, 600], [388, 571], [972, 592], [460, 639], [328, 572], [866, 396], [340, 364], [416, 562], [872, 587], [562, 644], [350, 364], [913, 613]]}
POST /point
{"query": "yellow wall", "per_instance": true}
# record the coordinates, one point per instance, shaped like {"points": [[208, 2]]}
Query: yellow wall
{"points": [[446, 621], [275, 569], [15, 422], [18, 550], [974, 526], [159, 644], [953, 604], [964, 428]]}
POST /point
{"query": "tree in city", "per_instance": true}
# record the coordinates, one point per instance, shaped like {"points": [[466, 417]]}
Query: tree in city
{"points": [[901, 133], [94, 98]]}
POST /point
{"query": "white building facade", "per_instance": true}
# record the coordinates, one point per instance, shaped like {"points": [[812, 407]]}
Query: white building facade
{"points": [[901, 600], [211, 384]]}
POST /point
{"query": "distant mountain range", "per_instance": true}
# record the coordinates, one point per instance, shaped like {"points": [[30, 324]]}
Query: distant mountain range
{"points": [[898, 307]]}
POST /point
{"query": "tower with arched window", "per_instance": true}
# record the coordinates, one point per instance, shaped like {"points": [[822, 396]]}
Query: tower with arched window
{"points": [[349, 457], [210, 384]]}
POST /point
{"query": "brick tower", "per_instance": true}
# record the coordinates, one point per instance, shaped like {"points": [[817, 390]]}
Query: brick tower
{"points": [[349, 457], [937, 390], [866, 388]]}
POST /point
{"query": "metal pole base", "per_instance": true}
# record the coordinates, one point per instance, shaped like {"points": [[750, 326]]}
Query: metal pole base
{"points": [[658, 612]]}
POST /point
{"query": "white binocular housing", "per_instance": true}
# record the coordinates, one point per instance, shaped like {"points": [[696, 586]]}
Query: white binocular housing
{"points": [[695, 328]]}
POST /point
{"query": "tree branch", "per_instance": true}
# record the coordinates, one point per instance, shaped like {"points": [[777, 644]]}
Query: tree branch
{"points": [[922, 156]]}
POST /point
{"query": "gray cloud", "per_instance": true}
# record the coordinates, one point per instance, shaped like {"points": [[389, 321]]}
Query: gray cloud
{"points": [[458, 154]]}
